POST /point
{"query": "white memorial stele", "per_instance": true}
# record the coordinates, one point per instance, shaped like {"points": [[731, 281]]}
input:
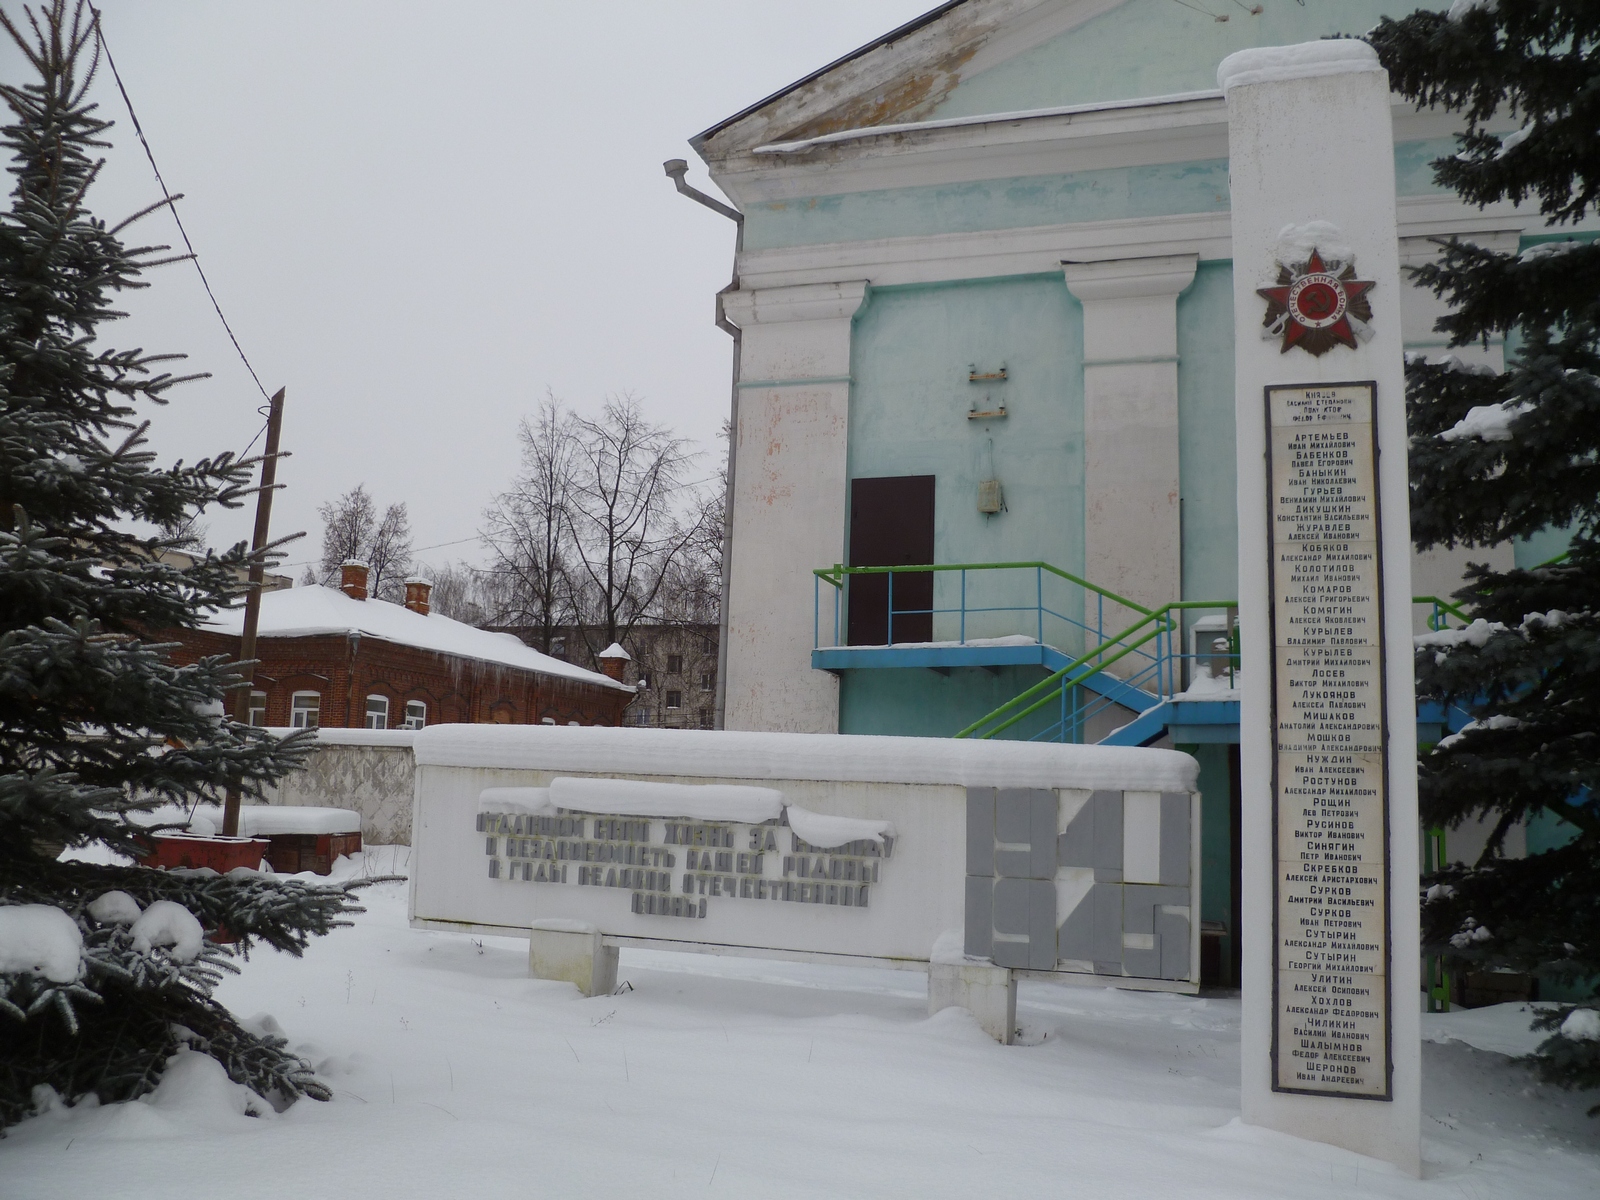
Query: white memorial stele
{"points": [[1330, 1046]]}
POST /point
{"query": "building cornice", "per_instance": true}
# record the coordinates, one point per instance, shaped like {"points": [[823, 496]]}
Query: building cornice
{"points": [[1189, 127], [827, 301], [1042, 249]]}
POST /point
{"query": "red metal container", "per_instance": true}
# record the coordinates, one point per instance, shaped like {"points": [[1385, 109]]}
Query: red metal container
{"points": [[221, 854], [315, 852]]}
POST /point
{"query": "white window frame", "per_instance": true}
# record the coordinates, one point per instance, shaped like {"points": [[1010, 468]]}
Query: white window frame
{"points": [[416, 714], [368, 714], [298, 710], [258, 704]]}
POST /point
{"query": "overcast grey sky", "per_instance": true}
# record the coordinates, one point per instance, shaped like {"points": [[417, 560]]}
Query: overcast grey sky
{"points": [[420, 216]]}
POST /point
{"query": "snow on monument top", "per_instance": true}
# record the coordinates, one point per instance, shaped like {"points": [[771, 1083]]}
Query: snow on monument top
{"points": [[1305, 60], [723, 754]]}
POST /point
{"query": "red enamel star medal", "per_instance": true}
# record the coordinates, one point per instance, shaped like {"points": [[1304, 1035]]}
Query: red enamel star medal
{"points": [[1315, 309]]}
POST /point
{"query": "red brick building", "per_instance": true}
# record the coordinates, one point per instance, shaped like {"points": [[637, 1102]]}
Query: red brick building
{"points": [[334, 657]]}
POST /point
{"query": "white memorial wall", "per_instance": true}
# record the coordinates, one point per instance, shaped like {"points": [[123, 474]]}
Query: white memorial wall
{"points": [[1069, 861]]}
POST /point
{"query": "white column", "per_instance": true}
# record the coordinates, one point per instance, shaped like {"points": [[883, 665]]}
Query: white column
{"points": [[1310, 140], [789, 503], [1132, 532]]}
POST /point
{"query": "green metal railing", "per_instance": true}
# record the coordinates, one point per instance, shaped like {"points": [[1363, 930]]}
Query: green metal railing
{"points": [[1158, 626], [1442, 611]]}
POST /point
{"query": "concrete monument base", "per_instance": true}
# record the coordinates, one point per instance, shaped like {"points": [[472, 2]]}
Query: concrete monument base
{"points": [[986, 991], [571, 951]]}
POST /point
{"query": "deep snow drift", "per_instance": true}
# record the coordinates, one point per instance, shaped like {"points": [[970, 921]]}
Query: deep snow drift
{"points": [[456, 1075]]}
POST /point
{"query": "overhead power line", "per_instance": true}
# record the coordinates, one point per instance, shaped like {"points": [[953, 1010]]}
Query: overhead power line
{"points": [[172, 207], [418, 550]]}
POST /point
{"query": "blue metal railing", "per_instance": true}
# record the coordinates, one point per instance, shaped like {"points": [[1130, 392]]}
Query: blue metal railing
{"points": [[1150, 654], [1064, 622]]}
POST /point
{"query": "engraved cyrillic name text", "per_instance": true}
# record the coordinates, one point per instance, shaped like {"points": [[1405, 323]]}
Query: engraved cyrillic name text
{"points": [[1331, 947]]}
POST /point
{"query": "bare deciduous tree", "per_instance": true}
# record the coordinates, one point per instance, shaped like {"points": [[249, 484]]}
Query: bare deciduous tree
{"points": [[691, 590], [188, 535], [627, 533], [469, 594], [599, 530], [347, 525], [351, 529], [389, 554], [528, 528]]}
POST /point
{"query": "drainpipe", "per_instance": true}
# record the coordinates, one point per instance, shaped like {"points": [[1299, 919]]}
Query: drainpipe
{"points": [[676, 169]]}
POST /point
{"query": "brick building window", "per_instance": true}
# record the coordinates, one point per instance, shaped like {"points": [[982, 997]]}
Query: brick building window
{"points": [[674, 664], [708, 681], [258, 708], [305, 710], [674, 699], [705, 718], [644, 679], [377, 712], [416, 714]]}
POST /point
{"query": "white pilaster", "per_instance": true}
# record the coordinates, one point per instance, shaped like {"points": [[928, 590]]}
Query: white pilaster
{"points": [[1310, 139], [789, 503], [1132, 533]]}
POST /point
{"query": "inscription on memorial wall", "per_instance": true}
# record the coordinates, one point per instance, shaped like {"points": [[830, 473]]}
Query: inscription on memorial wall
{"points": [[679, 868], [1331, 945]]}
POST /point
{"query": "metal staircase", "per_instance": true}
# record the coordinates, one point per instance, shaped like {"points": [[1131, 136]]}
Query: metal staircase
{"points": [[1166, 670]]}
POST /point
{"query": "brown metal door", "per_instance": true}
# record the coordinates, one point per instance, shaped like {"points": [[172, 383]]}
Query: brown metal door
{"points": [[891, 525]]}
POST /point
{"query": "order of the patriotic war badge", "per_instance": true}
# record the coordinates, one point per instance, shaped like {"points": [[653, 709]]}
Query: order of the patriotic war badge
{"points": [[1317, 305]]}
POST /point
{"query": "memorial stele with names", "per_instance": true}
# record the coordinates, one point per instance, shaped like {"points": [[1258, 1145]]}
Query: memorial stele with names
{"points": [[1331, 1032]]}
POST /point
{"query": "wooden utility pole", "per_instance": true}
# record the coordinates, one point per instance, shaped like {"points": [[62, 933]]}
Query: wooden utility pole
{"points": [[252, 600]]}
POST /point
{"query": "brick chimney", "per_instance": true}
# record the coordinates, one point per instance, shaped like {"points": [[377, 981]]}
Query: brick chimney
{"points": [[418, 590], [612, 659], [353, 578]]}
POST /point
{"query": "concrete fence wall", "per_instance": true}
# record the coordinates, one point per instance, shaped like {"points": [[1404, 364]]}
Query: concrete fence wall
{"points": [[372, 771]]}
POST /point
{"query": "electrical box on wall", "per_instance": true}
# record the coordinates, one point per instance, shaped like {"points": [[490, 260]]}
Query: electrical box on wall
{"points": [[990, 497]]}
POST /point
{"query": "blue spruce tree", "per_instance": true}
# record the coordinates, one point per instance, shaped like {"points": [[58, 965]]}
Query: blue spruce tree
{"points": [[1499, 456], [103, 974]]}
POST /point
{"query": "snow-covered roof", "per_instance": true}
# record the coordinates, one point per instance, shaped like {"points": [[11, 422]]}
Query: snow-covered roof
{"points": [[316, 611]]}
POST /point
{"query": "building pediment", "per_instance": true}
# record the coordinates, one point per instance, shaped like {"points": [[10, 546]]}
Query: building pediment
{"points": [[979, 71], [901, 76]]}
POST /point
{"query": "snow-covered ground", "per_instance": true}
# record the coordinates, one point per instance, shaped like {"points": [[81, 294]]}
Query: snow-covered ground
{"points": [[455, 1075]]}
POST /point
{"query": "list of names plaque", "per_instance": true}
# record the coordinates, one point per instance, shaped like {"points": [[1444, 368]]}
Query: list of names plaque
{"points": [[1331, 940]]}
